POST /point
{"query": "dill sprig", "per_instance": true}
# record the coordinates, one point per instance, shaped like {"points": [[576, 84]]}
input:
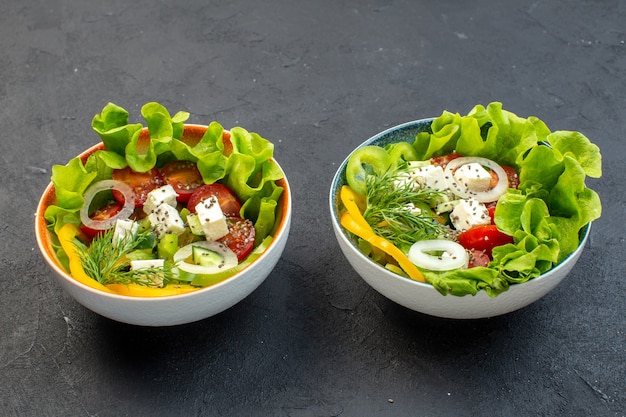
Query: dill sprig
{"points": [[106, 261], [390, 199]]}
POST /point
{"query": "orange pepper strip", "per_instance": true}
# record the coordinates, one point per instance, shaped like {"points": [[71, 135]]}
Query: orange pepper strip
{"points": [[355, 223], [134, 290], [66, 236]]}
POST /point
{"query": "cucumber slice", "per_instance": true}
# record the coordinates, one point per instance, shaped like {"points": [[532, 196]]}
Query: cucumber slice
{"points": [[192, 258], [206, 257]]}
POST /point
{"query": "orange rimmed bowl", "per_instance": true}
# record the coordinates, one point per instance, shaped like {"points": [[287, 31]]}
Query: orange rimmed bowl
{"points": [[174, 309]]}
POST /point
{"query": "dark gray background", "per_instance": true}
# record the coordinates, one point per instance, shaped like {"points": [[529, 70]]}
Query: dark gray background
{"points": [[317, 78]]}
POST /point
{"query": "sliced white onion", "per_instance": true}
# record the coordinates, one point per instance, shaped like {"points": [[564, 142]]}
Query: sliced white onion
{"points": [[229, 257], [453, 255], [107, 185], [483, 196]]}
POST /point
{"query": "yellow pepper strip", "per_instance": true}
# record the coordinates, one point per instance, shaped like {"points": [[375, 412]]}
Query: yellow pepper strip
{"points": [[355, 223], [355, 204], [66, 236], [134, 290]]}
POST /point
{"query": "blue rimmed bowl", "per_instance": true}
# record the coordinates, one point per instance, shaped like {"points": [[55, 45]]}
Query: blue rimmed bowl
{"points": [[423, 297]]}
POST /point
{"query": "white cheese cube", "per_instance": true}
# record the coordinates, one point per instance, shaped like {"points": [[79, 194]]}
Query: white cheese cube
{"points": [[428, 176], [469, 213], [212, 219], [124, 229], [166, 219], [146, 264], [158, 196], [473, 177], [157, 279]]}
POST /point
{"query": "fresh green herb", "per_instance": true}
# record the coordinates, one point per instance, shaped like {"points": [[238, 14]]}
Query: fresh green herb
{"points": [[106, 261], [399, 212]]}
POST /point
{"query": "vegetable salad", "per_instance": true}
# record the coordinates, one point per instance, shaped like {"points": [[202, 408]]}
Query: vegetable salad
{"points": [[478, 202], [165, 209]]}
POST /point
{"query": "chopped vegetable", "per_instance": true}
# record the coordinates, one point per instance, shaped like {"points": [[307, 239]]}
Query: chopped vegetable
{"points": [[438, 255], [102, 186], [207, 258]]}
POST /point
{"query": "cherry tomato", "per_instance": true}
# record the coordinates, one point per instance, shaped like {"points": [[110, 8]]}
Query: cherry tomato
{"points": [[104, 213], [512, 176], [240, 238], [141, 183], [484, 238], [228, 201], [443, 160], [478, 258], [183, 176]]}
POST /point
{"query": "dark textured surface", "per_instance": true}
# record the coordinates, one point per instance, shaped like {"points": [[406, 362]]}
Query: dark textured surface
{"points": [[317, 78]]}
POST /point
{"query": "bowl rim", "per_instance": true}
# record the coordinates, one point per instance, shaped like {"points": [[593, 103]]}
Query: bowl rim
{"points": [[339, 178], [42, 235]]}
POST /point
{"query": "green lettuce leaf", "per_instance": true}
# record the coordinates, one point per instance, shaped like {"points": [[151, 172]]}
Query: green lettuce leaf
{"points": [[141, 153], [547, 211], [248, 169], [460, 282], [70, 183], [113, 128]]}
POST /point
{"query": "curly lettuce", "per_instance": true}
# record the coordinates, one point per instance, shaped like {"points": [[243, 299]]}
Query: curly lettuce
{"points": [[544, 215], [247, 169]]}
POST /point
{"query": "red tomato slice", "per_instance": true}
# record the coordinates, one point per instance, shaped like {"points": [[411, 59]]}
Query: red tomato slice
{"points": [[104, 213], [484, 238], [228, 201], [512, 176], [241, 237], [478, 258], [141, 183], [183, 176]]}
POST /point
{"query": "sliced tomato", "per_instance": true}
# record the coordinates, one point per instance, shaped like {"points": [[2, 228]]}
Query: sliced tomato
{"points": [[240, 238], [228, 201], [183, 176], [443, 160], [484, 238], [478, 258], [512, 176], [141, 183], [104, 213]]}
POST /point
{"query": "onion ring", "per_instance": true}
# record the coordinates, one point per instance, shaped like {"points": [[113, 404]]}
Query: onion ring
{"points": [[229, 257], [454, 255], [105, 185], [483, 196]]}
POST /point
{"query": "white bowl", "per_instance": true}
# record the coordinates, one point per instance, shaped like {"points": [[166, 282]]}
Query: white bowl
{"points": [[169, 310], [423, 297]]}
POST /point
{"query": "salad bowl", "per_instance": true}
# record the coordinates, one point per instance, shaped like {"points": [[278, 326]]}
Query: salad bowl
{"points": [[422, 296], [174, 309]]}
